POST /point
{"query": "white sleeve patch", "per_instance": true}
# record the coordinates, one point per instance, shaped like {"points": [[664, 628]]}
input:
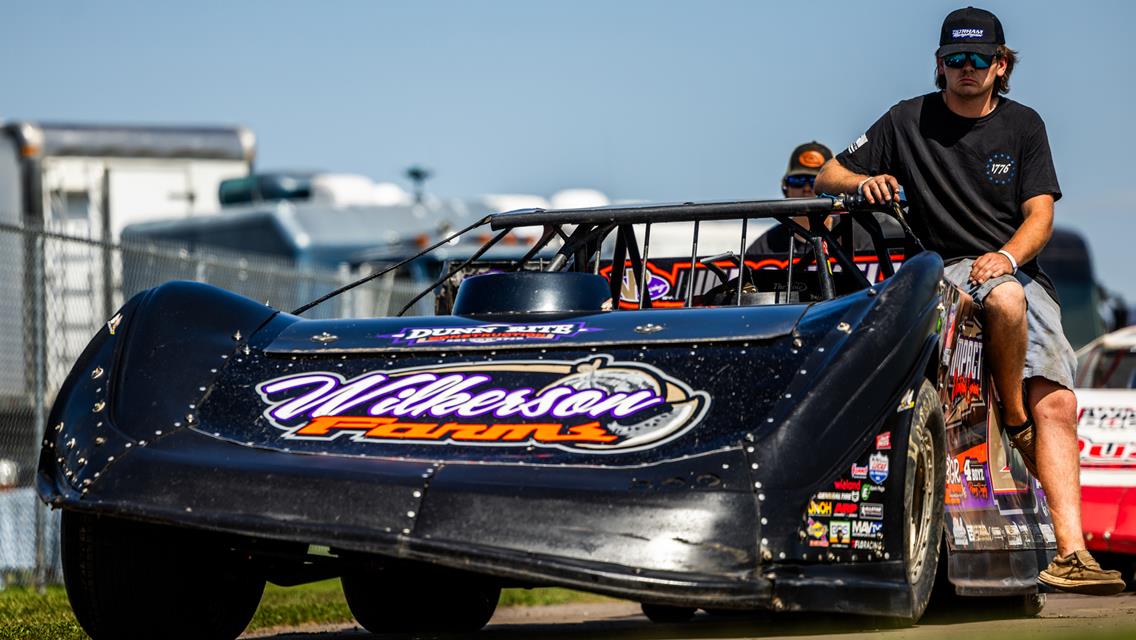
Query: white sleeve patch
{"points": [[861, 141]]}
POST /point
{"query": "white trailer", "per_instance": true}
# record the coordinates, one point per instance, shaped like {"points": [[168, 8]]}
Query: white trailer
{"points": [[88, 181]]}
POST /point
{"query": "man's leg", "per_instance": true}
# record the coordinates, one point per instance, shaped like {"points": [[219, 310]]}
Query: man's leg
{"points": [[1054, 411], [1005, 326]]}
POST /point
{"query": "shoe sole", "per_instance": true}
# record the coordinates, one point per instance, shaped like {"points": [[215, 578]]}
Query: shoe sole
{"points": [[1083, 587]]}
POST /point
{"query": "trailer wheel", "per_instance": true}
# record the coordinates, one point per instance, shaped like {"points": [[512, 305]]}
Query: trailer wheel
{"points": [[924, 488], [404, 599], [128, 579], [662, 613]]}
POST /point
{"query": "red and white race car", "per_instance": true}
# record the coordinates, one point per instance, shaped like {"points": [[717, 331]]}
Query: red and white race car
{"points": [[1106, 431]]}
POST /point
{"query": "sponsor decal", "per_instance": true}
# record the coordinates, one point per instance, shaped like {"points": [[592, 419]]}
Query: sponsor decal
{"points": [[859, 470], [878, 467], [997, 533], [906, 403], [845, 509], [839, 532], [820, 508], [1013, 535], [954, 491], [865, 529], [846, 485], [958, 529], [952, 316], [594, 405], [1001, 168], [838, 496], [1107, 417], [883, 440], [861, 141], [978, 532], [657, 286], [817, 533], [967, 33], [868, 545], [867, 490], [872, 510], [974, 472], [1106, 453], [487, 333], [965, 375], [1047, 533]]}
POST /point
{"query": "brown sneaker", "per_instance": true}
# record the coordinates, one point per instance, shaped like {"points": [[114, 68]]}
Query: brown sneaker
{"points": [[1024, 442], [1078, 572]]}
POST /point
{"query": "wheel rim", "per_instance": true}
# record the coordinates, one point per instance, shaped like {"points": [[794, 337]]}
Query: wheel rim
{"points": [[921, 457]]}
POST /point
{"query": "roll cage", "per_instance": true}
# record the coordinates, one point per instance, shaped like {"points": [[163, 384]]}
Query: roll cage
{"points": [[585, 235]]}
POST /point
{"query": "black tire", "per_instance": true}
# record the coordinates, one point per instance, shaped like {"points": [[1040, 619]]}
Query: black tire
{"points": [[662, 613], [405, 598], [128, 579], [923, 495]]}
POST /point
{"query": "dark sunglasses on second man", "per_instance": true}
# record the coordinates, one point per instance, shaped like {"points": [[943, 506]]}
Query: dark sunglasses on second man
{"points": [[800, 181], [958, 60]]}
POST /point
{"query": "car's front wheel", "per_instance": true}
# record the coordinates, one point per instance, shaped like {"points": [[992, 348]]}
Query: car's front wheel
{"points": [[924, 483], [129, 579]]}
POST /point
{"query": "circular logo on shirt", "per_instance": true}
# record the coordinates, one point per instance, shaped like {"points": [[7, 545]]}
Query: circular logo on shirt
{"points": [[1001, 168]]}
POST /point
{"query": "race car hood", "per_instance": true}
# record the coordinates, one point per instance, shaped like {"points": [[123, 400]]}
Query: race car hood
{"points": [[618, 387]]}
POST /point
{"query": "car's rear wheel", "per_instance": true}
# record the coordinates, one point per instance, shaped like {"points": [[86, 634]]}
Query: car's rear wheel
{"points": [[664, 613], [129, 579], [404, 598], [923, 500]]}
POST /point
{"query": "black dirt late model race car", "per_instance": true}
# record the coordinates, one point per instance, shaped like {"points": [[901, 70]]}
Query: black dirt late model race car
{"points": [[816, 439]]}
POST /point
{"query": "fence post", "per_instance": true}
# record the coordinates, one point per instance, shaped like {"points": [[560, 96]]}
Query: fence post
{"points": [[39, 349]]}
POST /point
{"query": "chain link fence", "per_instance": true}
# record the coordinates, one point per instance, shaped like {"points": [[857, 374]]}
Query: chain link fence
{"points": [[59, 289]]}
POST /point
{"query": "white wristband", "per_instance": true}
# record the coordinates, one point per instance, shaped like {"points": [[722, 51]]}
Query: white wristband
{"points": [[860, 187], [1013, 263]]}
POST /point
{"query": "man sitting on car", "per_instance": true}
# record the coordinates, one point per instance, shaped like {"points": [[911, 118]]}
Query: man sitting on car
{"points": [[980, 180]]}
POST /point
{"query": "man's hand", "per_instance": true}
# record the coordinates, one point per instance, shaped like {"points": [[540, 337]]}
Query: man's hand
{"points": [[990, 265], [880, 188]]}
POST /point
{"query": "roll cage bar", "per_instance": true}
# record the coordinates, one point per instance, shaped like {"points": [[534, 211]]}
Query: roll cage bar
{"points": [[582, 233]]}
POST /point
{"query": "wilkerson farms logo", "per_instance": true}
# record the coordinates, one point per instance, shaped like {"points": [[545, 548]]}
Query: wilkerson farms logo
{"points": [[595, 405]]}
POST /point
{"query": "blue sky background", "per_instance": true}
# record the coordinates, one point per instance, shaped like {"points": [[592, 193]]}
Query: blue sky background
{"points": [[654, 100]]}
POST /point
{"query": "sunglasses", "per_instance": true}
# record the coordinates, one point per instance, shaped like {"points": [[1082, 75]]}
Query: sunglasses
{"points": [[958, 60], [800, 181]]}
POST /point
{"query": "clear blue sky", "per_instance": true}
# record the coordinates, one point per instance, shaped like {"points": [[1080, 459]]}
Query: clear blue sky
{"points": [[654, 100]]}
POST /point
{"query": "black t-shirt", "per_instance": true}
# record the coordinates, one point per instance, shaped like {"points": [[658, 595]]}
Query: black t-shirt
{"points": [[965, 178]]}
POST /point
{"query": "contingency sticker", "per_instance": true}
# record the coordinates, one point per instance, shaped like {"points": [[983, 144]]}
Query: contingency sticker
{"points": [[488, 333], [595, 405]]}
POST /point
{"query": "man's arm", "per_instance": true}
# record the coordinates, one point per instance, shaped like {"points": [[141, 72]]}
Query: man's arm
{"points": [[834, 178], [1025, 244]]}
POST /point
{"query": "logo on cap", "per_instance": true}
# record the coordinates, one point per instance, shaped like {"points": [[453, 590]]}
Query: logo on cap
{"points": [[811, 159], [967, 33]]}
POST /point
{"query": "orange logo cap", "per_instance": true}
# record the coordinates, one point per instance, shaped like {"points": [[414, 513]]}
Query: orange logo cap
{"points": [[811, 159]]}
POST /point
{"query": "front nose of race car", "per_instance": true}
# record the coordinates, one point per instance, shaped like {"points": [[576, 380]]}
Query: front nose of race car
{"points": [[598, 451]]}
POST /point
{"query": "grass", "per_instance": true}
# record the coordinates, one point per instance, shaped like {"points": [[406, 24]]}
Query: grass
{"points": [[28, 615]]}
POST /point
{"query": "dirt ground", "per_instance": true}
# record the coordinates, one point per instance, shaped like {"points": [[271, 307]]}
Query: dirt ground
{"points": [[1064, 616]]}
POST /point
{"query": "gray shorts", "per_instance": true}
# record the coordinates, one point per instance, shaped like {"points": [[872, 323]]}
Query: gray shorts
{"points": [[1048, 353]]}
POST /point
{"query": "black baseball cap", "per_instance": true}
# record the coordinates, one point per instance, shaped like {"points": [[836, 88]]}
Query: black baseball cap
{"points": [[808, 158], [968, 30]]}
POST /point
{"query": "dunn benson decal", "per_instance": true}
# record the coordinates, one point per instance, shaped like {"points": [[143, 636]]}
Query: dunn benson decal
{"points": [[594, 405], [487, 333]]}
